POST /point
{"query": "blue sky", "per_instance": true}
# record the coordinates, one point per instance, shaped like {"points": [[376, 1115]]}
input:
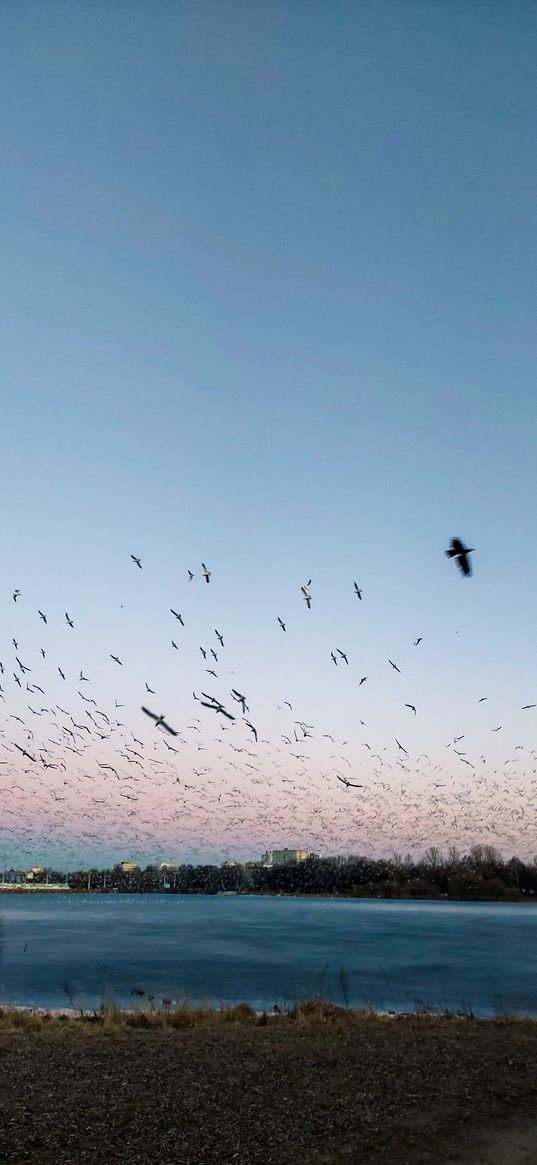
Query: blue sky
{"points": [[268, 303]]}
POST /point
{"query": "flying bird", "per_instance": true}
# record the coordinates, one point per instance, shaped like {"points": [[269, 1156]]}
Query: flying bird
{"points": [[70, 621], [177, 616], [116, 660], [526, 706], [190, 575], [206, 573], [16, 595], [460, 552], [394, 665], [219, 637], [42, 616], [412, 708], [349, 784], [342, 654], [358, 592], [61, 673], [160, 721], [418, 640], [148, 689], [362, 681], [137, 561], [306, 594], [282, 624]]}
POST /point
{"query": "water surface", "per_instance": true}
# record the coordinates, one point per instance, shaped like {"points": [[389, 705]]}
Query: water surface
{"points": [[394, 954]]}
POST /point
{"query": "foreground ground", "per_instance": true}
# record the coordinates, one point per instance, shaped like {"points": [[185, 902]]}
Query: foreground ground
{"points": [[338, 1090]]}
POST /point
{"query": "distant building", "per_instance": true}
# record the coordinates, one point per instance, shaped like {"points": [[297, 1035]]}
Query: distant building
{"points": [[229, 865], [15, 877], [129, 867], [284, 857], [169, 867]]}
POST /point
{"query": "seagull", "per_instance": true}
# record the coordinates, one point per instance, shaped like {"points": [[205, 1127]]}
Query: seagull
{"points": [[342, 654], [160, 722], [219, 637], [148, 689], [177, 616], [349, 784], [418, 640], [203, 652], [16, 595], [306, 594], [43, 653], [116, 660], [190, 575], [206, 573], [362, 681], [526, 706], [282, 624], [252, 729], [401, 746], [136, 560], [175, 645], [482, 699], [61, 673], [333, 657], [15, 644], [358, 592], [394, 665], [70, 621], [458, 550], [42, 616], [82, 678], [412, 708], [497, 729]]}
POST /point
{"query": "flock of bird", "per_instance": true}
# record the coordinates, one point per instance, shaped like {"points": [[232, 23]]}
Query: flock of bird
{"points": [[77, 779]]}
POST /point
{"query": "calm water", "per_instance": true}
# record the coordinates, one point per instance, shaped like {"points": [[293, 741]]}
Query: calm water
{"points": [[267, 950]]}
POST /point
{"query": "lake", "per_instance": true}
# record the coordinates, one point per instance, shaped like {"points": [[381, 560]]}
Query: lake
{"points": [[263, 950]]}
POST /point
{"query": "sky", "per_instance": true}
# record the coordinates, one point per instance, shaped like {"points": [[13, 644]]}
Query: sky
{"points": [[268, 303]]}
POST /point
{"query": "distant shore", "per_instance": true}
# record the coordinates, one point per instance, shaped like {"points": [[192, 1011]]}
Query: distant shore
{"points": [[62, 888]]}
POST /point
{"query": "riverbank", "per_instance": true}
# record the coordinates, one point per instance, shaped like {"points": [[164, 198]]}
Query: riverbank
{"points": [[319, 1084]]}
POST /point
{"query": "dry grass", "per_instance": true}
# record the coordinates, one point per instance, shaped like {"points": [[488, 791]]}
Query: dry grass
{"points": [[191, 1086]]}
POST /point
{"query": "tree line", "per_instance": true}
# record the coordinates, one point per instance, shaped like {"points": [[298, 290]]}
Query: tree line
{"points": [[480, 875]]}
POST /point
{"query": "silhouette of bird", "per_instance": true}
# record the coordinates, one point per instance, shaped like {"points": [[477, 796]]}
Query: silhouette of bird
{"points": [[460, 552], [61, 673], [219, 637], [282, 624], [418, 640], [362, 681], [333, 658], [16, 595], [148, 689], [306, 594], [526, 706], [349, 784], [394, 665], [116, 660], [412, 708], [136, 560], [160, 721], [175, 645], [190, 575], [358, 592], [206, 573], [42, 616], [177, 616], [70, 621], [482, 699]]}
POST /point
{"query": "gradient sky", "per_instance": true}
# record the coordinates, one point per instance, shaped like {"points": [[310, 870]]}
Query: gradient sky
{"points": [[268, 302]]}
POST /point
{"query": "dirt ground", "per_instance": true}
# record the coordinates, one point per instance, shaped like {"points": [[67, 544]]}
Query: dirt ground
{"points": [[414, 1091]]}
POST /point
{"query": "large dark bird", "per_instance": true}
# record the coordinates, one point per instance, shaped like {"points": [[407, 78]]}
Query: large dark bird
{"points": [[458, 550]]}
